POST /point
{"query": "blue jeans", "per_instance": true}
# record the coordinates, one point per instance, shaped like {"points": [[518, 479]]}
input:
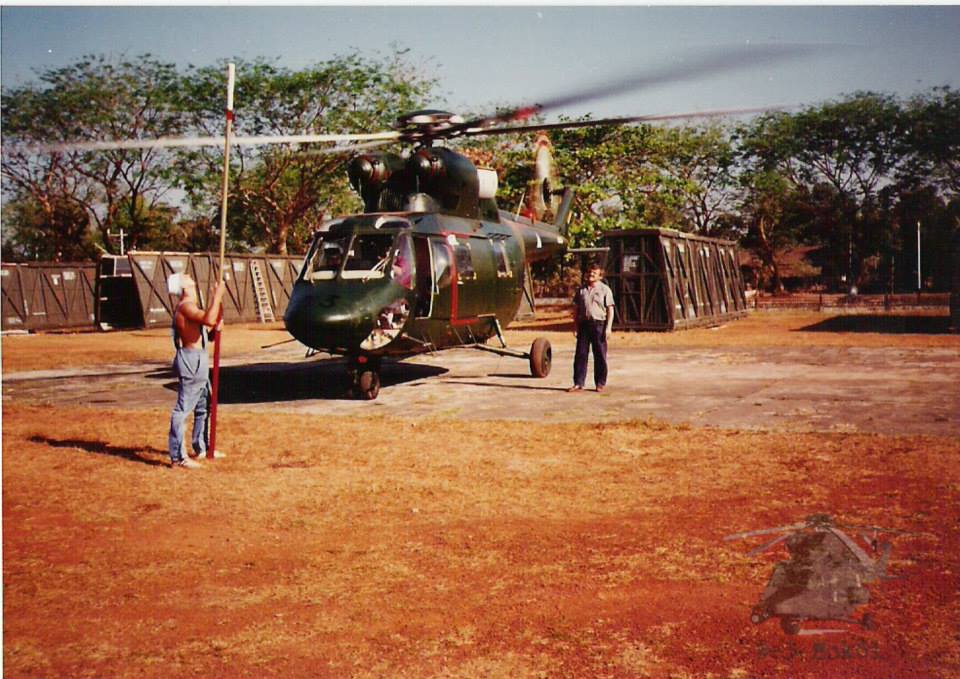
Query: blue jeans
{"points": [[591, 335], [193, 368]]}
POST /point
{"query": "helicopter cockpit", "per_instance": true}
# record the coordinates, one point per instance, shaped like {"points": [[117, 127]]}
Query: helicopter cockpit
{"points": [[347, 254]]}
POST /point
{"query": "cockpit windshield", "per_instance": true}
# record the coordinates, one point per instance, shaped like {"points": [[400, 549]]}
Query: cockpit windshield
{"points": [[360, 256]]}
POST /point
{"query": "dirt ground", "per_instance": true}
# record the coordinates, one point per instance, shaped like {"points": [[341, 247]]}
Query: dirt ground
{"points": [[355, 540]]}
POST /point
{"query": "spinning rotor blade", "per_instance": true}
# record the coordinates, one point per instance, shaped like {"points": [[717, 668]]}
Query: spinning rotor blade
{"points": [[171, 142], [706, 63], [620, 121], [346, 149]]}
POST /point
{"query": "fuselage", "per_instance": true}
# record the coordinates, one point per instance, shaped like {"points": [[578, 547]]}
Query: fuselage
{"points": [[402, 283]]}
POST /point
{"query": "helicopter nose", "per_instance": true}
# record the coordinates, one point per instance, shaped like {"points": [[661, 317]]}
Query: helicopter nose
{"points": [[318, 322]]}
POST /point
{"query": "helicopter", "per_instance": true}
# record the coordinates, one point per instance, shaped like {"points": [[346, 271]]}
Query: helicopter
{"points": [[825, 577], [432, 262]]}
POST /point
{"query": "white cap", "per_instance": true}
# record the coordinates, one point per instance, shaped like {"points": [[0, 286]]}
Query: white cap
{"points": [[175, 284]]}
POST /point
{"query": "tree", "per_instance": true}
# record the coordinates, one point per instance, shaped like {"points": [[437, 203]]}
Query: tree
{"points": [[697, 166], [95, 99], [933, 136], [54, 232], [856, 146], [279, 192]]}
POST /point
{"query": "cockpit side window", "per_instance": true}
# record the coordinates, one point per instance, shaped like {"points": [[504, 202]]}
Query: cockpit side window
{"points": [[403, 270]]}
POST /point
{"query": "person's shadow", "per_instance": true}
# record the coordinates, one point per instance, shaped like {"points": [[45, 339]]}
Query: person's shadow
{"points": [[145, 456]]}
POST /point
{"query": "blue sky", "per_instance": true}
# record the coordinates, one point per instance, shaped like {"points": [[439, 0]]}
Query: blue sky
{"points": [[491, 55]]}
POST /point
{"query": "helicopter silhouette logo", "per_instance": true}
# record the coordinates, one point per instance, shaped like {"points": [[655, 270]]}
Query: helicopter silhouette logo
{"points": [[826, 576]]}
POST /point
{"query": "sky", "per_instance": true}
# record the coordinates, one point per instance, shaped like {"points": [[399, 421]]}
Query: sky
{"points": [[485, 56]]}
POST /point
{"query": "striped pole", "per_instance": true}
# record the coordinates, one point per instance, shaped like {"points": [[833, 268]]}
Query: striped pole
{"points": [[215, 387]]}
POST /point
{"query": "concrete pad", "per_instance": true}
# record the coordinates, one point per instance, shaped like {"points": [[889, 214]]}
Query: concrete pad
{"points": [[881, 390]]}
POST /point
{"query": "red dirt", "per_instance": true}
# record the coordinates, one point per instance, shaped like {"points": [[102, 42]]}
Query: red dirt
{"points": [[389, 547]]}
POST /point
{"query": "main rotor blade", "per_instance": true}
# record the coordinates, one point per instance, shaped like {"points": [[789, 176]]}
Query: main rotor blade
{"points": [[717, 113], [705, 63], [765, 531], [769, 545], [172, 142], [346, 149]]}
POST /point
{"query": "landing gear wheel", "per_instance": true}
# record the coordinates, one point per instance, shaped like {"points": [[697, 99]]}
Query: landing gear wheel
{"points": [[758, 615], [790, 625], [541, 356], [867, 622], [364, 378], [368, 384]]}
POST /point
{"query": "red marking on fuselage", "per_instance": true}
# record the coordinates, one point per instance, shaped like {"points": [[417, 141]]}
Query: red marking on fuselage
{"points": [[455, 283]]}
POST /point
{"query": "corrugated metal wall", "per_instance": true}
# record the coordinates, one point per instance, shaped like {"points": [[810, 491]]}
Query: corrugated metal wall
{"points": [[47, 296], [669, 280], [132, 291], [151, 269]]}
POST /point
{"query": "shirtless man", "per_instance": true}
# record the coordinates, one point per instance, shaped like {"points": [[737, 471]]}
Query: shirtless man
{"points": [[191, 365]]}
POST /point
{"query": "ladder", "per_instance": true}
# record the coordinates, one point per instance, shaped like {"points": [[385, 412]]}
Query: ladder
{"points": [[264, 308]]}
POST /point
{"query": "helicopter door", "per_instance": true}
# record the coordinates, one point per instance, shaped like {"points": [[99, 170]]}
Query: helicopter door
{"points": [[424, 282], [441, 255]]}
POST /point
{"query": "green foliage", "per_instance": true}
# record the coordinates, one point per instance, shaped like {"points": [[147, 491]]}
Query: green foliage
{"points": [[933, 135], [279, 193], [95, 99], [58, 233]]}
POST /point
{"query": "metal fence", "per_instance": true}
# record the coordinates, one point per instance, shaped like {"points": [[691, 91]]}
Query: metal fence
{"points": [[840, 302]]}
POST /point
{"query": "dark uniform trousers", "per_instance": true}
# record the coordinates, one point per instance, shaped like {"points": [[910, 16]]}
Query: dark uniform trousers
{"points": [[591, 334]]}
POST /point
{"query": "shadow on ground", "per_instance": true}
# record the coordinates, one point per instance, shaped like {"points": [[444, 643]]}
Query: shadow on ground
{"points": [[270, 382], [141, 455], [921, 325]]}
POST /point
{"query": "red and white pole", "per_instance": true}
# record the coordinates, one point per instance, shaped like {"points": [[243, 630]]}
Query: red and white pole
{"points": [[212, 447]]}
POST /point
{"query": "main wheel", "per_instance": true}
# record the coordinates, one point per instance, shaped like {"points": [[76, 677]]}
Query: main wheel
{"points": [[790, 625], [541, 356], [368, 384]]}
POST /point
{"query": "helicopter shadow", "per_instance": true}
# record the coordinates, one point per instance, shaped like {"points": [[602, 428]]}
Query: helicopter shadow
{"points": [[891, 325], [326, 380]]}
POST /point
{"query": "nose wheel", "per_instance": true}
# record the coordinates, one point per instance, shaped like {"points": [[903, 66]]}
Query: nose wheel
{"points": [[365, 378]]}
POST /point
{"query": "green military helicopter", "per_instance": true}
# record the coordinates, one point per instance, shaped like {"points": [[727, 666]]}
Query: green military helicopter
{"points": [[432, 263]]}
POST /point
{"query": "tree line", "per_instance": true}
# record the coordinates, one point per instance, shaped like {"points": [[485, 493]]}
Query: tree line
{"points": [[850, 178]]}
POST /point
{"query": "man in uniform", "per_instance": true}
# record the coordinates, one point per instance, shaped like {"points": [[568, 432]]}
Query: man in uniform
{"points": [[192, 366], [593, 318]]}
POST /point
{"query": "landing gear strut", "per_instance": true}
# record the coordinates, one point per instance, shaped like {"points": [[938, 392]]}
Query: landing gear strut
{"points": [[365, 377]]}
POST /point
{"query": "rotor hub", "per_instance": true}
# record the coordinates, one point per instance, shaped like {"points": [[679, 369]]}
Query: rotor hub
{"points": [[424, 126]]}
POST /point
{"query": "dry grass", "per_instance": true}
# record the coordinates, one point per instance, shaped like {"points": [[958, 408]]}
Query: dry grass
{"points": [[380, 547], [375, 547]]}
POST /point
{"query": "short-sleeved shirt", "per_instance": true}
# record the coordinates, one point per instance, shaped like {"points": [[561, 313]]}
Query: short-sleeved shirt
{"points": [[592, 302]]}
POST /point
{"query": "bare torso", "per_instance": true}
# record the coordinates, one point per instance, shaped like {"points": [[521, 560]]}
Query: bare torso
{"points": [[189, 325]]}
